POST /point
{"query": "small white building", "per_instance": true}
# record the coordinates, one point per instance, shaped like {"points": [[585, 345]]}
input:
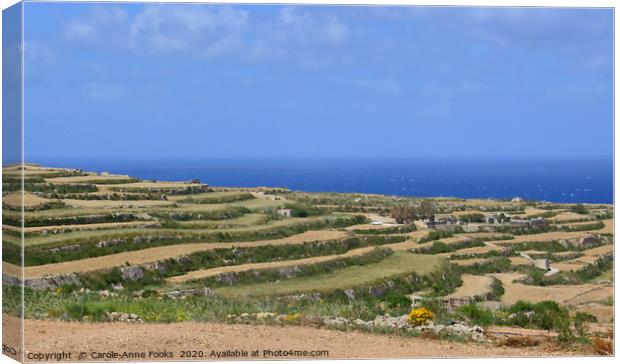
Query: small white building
{"points": [[284, 212]]}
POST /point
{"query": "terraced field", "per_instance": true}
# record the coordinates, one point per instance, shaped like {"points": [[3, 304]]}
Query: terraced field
{"points": [[187, 251], [350, 277]]}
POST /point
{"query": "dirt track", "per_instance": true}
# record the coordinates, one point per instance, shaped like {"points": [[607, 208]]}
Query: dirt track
{"points": [[48, 336]]}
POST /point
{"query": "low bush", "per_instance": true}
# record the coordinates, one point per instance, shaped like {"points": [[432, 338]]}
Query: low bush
{"points": [[397, 300], [303, 210], [435, 235], [476, 314], [420, 316]]}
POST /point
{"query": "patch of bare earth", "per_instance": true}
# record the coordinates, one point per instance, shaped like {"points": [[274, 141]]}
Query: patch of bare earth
{"points": [[468, 262], [563, 294], [74, 338], [472, 286], [30, 200]]}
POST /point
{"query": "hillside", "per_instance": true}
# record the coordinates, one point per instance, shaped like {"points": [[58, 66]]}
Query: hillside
{"points": [[101, 248]]}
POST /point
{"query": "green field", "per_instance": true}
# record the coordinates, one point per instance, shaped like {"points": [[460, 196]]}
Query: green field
{"points": [[398, 264]]}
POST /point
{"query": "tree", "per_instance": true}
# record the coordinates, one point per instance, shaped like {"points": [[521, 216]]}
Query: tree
{"points": [[579, 209], [404, 214], [426, 210]]}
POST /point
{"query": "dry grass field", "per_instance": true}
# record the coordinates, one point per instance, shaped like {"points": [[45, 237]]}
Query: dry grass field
{"points": [[472, 286], [565, 294], [29, 200]]}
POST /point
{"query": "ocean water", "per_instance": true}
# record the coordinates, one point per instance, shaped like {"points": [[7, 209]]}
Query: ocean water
{"points": [[569, 181]]}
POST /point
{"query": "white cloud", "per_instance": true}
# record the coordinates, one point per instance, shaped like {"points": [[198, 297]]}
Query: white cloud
{"points": [[292, 34], [295, 27], [38, 53], [100, 23], [336, 32], [290, 15], [307, 40], [80, 31], [210, 31]]}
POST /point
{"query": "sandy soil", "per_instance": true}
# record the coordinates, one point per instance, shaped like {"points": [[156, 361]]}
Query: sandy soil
{"points": [[604, 313], [566, 216], [152, 255], [30, 200], [472, 286], [531, 211], [522, 261], [590, 256], [11, 269], [594, 293], [609, 227], [74, 338], [563, 294]]}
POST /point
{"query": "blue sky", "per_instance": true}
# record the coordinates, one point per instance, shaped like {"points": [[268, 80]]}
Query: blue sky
{"points": [[142, 81]]}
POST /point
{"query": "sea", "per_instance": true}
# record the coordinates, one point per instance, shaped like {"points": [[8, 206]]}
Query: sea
{"points": [[555, 180]]}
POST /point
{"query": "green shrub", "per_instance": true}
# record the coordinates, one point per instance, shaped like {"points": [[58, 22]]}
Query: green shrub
{"points": [[436, 235], [579, 209], [398, 300], [547, 315], [303, 210], [436, 248], [474, 217], [476, 314]]}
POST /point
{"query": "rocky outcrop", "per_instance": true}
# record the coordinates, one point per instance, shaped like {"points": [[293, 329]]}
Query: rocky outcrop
{"points": [[402, 323], [123, 317], [350, 293], [63, 249], [52, 282], [315, 296], [584, 242], [227, 278], [289, 272], [132, 273], [183, 293]]}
